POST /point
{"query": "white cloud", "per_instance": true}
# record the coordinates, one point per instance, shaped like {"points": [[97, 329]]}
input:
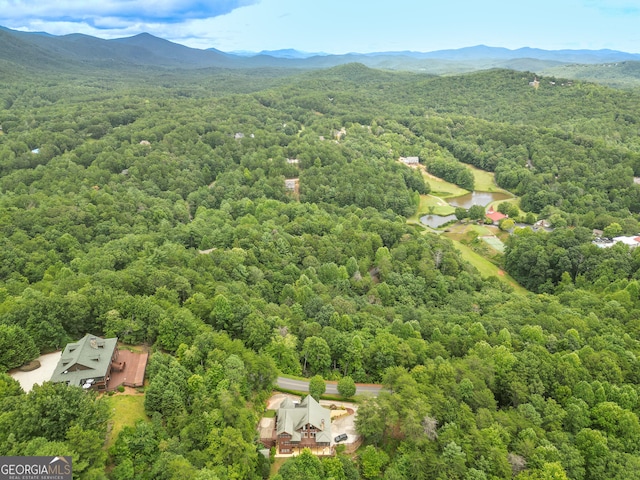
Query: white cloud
{"points": [[107, 14]]}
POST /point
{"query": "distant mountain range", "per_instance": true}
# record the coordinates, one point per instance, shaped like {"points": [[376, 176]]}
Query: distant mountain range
{"points": [[475, 53], [76, 51], [283, 53]]}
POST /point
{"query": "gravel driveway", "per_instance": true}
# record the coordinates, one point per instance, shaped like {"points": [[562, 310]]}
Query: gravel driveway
{"points": [[40, 375]]}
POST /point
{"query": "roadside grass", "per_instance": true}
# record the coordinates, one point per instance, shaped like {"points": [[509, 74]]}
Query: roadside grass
{"points": [[126, 410], [324, 396], [292, 377]]}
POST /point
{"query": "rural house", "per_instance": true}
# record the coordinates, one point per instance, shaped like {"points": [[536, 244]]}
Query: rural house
{"points": [[307, 425], [495, 216], [410, 160], [88, 362]]}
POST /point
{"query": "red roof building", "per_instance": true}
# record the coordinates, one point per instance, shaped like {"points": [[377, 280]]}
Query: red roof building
{"points": [[495, 216]]}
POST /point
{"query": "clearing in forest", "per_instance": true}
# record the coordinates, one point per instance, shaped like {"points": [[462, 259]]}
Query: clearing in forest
{"points": [[488, 269], [431, 205], [484, 181], [442, 188], [126, 409]]}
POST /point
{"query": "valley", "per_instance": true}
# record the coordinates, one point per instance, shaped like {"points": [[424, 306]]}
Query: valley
{"points": [[150, 203]]}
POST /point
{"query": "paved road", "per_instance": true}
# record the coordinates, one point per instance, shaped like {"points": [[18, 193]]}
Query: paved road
{"points": [[332, 387]]}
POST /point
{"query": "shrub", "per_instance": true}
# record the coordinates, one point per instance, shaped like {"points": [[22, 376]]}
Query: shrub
{"points": [[346, 387]]}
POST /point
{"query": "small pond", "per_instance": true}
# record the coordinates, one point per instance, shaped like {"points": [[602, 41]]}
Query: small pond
{"points": [[477, 198], [435, 221]]}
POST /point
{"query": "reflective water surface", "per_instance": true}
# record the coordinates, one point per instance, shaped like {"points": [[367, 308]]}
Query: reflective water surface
{"points": [[477, 198], [434, 221]]}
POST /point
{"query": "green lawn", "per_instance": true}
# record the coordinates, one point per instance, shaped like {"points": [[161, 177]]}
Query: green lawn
{"points": [[441, 188], [484, 181], [463, 229], [275, 466], [430, 204], [488, 269], [126, 410]]}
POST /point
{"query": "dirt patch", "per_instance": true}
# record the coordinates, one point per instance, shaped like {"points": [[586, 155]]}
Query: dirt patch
{"points": [[501, 273], [29, 367]]}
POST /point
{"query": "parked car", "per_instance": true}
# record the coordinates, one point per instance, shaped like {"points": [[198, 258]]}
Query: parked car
{"points": [[341, 438]]}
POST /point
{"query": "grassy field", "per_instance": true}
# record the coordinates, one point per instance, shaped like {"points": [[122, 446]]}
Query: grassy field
{"points": [[126, 410], [488, 269], [495, 243], [484, 181], [441, 188], [463, 229], [430, 204]]}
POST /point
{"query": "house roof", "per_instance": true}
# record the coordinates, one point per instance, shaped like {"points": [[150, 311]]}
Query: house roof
{"points": [[495, 216], [89, 357], [410, 159], [292, 418], [631, 241]]}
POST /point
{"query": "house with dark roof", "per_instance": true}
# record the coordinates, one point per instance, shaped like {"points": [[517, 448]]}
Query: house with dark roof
{"points": [[303, 425], [88, 363]]}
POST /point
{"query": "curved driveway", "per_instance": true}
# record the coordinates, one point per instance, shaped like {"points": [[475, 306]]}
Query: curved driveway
{"points": [[332, 387]]}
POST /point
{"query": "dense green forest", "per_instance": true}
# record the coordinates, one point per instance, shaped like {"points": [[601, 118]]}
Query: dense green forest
{"points": [[151, 205]]}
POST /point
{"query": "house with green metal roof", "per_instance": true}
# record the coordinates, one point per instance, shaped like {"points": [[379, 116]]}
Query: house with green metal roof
{"points": [[87, 363], [303, 425]]}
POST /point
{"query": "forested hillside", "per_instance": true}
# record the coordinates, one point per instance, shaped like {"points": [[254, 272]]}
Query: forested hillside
{"points": [[152, 206]]}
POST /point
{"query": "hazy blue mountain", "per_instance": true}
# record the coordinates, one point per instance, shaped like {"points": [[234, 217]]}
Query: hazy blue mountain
{"points": [[41, 50], [174, 53], [498, 53], [291, 53]]}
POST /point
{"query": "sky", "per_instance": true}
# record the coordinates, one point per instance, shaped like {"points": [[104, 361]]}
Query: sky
{"points": [[341, 26]]}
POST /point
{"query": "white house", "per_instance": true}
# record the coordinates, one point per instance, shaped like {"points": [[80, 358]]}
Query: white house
{"points": [[410, 160]]}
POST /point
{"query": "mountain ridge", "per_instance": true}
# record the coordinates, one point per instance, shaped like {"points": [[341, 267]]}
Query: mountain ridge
{"points": [[40, 50]]}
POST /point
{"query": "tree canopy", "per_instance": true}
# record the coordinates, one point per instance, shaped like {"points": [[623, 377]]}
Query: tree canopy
{"points": [[157, 211]]}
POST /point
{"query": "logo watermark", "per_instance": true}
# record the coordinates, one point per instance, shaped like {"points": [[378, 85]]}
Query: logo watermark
{"points": [[35, 468]]}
